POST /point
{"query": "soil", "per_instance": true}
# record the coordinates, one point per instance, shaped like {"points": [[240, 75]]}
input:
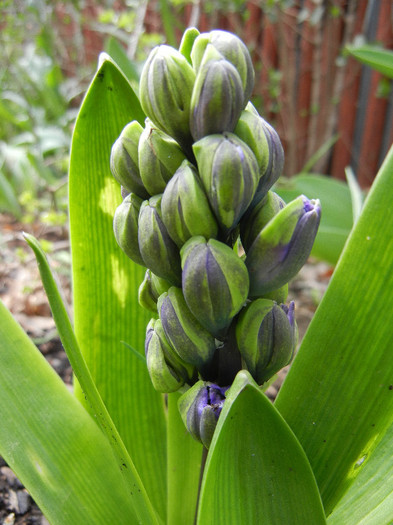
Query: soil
{"points": [[22, 292]]}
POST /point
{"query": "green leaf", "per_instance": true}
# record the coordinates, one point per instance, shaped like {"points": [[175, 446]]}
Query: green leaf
{"points": [[256, 471], [117, 52], [338, 396], [51, 442], [142, 505], [336, 219], [369, 500], [357, 197], [184, 463], [379, 59], [105, 281]]}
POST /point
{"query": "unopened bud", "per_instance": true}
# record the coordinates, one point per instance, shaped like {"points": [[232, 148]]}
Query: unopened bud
{"points": [[185, 208], [283, 246], [193, 343], [217, 97], [124, 160], [229, 174], [166, 85], [125, 227], [233, 50], [266, 337], [254, 221], [167, 372], [158, 251], [214, 281], [159, 157], [200, 408]]}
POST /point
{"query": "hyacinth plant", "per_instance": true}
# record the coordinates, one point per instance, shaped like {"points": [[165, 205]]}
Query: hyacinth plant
{"points": [[174, 340]]}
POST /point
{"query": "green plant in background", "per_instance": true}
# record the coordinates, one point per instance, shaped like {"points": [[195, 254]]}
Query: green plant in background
{"points": [[117, 451], [36, 115]]}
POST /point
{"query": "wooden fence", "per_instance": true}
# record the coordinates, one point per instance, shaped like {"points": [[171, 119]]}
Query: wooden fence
{"points": [[314, 95]]}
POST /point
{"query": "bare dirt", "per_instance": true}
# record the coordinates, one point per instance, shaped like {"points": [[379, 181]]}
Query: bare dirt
{"points": [[22, 292]]}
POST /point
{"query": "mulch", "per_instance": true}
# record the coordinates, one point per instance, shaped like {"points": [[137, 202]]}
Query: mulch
{"points": [[22, 292]]}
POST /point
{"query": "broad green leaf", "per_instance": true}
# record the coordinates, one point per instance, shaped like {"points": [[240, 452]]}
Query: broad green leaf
{"points": [[336, 219], [379, 59], [338, 395], [117, 52], [105, 281], [51, 442], [184, 462], [141, 502], [369, 500], [256, 471]]}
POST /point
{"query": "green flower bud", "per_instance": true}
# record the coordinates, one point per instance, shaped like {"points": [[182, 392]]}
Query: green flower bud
{"points": [[125, 227], [252, 223], [200, 408], [283, 246], [159, 157], [229, 174], [124, 160], [233, 50], [275, 157], [185, 208], [147, 295], [165, 88], [167, 372], [250, 128], [266, 337], [158, 251], [217, 97], [214, 281], [187, 42], [193, 343]]}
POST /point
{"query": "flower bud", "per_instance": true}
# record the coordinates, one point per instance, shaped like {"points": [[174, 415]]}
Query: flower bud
{"points": [[187, 42], [214, 281], [159, 157], [254, 221], [229, 174], [233, 50], [124, 160], [185, 208], [200, 408], [283, 246], [158, 251], [250, 128], [167, 372], [275, 164], [217, 97], [125, 227], [166, 85], [150, 290], [266, 337], [193, 343]]}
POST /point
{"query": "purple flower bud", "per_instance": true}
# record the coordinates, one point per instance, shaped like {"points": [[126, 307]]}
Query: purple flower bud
{"points": [[167, 371], [283, 246], [217, 97], [266, 335], [193, 343], [229, 174], [200, 407], [214, 281], [158, 251]]}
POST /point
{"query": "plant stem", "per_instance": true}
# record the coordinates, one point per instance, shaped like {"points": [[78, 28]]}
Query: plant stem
{"points": [[203, 463]]}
